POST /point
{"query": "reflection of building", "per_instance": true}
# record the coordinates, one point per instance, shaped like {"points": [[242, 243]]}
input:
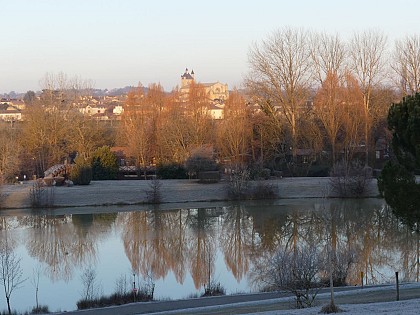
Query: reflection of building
{"points": [[215, 91]]}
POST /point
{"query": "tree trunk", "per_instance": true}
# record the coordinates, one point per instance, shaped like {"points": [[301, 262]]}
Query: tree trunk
{"points": [[8, 305]]}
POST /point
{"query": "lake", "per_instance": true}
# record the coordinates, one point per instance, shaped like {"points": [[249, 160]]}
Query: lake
{"points": [[180, 248]]}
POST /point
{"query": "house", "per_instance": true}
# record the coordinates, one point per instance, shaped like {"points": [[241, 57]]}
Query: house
{"points": [[9, 113], [216, 110], [93, 110], [118, 110]]}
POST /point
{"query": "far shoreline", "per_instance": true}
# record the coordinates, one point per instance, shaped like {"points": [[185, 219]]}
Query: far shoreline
{"points": [[175, 194]]}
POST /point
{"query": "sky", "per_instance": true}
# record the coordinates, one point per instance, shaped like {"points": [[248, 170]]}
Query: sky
{"points": [[115, 43]]}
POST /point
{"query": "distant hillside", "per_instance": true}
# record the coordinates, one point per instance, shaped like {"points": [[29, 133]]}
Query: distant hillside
{"points": [[95, 92]]}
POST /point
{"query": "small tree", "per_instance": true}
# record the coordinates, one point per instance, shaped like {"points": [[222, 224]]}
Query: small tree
{"points": [[121, 286], [153, 194], [35, 282], [295, 270], [11, 271], [104, 164], [81, 172], [90, 287]]}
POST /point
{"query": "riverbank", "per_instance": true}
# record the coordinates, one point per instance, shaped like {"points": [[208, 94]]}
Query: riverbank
{"points": [[130, 192], [352, 300]]}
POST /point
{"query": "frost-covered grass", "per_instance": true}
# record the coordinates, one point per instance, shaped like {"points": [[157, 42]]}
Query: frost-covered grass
{"points": [[408, 307]]}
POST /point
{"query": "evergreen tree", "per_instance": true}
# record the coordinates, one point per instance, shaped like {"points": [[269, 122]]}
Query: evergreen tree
{"points": [[397, 182]]}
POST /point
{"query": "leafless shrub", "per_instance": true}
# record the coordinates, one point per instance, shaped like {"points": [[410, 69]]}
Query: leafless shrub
{"points": [[147, 286], [153, 194], [11, 273], [90, 286], [214, 288], [41, 196], [350, 180], [293, 270], [121, 286], [238, 183]]}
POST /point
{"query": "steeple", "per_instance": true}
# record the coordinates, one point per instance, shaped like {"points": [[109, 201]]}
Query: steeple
{"points": [[186, 78]]}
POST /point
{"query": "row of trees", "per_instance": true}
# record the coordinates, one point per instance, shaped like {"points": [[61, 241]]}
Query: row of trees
{"points": [[311, 91], [304, 91]]}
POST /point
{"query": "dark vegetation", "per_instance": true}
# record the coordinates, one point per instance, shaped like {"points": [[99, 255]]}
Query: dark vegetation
{"points": [[114, 299], [397, 182]]}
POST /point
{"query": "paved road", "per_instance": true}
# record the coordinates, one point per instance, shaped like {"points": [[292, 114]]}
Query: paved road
{"points": [[252, 303]]}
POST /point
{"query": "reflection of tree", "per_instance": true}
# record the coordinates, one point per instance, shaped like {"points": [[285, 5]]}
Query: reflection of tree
{"points": [[61, 245], [409, 243], [235, 240], [268, 226], [374, 243], [366, 231], [202, 249], [154, 242]]}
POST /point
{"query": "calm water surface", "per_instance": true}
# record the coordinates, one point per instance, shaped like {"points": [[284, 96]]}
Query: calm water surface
{"points": [[179, 248]]}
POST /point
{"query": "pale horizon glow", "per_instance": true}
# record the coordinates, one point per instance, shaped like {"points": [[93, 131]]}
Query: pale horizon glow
{"points": [[120, 43]]}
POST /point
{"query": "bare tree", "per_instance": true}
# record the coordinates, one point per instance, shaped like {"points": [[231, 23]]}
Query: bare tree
{"points": [[367, 54], [406, 64], [234, 132], [281, 73], [9, 152], [36, 273], [121, 285], [90, 286], [328, 54], [328, 108], [295, 270], [11, 274]]}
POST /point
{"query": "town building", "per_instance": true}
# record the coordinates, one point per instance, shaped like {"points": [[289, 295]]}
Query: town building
{"points": [[215, 91]]}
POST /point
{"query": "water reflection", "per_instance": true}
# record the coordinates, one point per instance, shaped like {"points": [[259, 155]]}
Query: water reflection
{"points": [[187, 243], [65, 243]]}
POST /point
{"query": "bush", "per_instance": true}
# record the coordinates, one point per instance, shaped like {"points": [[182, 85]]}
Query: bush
{"points": [[171, 171], [104, 164], [41, 196], [350, 180], [81, 174], [214, 289], [260, 173], [209, 176], [114, 299], [237, 186], [330, 308], [263, 190], [41, 309], [196, 164]]}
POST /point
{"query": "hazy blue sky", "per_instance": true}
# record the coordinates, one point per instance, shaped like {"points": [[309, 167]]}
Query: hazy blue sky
{"points": [[122, 42]]}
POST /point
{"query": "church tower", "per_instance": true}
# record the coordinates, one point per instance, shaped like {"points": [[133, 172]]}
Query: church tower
{"points": [[187, 78]]}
